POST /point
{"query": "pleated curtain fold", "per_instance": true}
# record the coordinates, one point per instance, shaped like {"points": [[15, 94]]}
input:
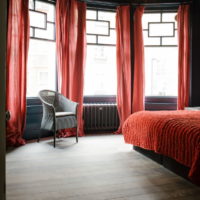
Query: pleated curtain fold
{"points": [[123, 54], [71, 53], [138, 102], [17, 55], [183, 56], [130, 98]]}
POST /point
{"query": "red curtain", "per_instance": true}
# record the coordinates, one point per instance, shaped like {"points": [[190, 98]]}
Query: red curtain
{"points": [[17, 54], [139, 75], [71, 53], [123, 64], [183, 57]]}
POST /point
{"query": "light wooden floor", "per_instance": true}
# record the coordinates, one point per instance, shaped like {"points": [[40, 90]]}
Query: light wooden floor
{"points": [[97, 168]]}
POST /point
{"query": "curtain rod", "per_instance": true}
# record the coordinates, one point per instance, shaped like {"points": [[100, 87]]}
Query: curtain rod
{"points": [[129, 2], [161, 4], [48, 1], [104, 3], [102, 8]]}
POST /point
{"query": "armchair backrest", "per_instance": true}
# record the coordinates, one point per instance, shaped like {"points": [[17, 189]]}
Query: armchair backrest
{"points": [[48, 96], [59, 102]]}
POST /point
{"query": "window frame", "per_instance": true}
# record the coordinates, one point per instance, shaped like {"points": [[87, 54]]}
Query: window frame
{"points": [[34, 106], [100, 98], [161, 102], [34, 101]]}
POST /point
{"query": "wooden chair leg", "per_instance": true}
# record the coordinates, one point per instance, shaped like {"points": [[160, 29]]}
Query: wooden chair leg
{"points": [[77, 135], [54, 141], [39, 135]]}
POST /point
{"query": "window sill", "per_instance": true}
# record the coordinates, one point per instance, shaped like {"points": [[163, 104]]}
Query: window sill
{"points": [[100, 99], [160, 103]]}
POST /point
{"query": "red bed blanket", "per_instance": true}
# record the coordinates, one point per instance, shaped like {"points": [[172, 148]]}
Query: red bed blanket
{"points": [[175, 134]]}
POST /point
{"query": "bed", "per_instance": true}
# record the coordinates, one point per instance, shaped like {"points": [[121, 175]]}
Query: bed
{"points": [[175, 134]]}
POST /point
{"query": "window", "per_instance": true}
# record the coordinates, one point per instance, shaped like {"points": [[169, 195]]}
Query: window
{"points": [[41, 72], [161, 54], [100, 75]]}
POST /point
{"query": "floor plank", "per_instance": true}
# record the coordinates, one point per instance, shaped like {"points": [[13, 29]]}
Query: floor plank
{"points": [[99, 167]]}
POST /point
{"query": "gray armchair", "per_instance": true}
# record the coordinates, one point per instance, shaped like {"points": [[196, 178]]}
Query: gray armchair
{"points": [[58, 113]]}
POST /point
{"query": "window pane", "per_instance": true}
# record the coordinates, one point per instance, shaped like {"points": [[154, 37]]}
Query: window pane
{"points": [[46, 34], [37, 19], [91, 39], [107, 16], [150, 40], [31, 4], [154, 17], [170, 40], [31, 32], [91, 14], [100, 76], [97, 27], [41, 67], [108, 39], [161, 29], [170, 17], [47, 8], [161, 71]]}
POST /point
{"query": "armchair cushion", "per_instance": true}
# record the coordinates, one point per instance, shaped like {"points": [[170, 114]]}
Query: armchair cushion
{"points": [[66, 122]]}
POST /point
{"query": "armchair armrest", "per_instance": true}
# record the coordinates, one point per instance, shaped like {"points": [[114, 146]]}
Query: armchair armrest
{"points": [[48, 109], [68, 106], [49, 117]]}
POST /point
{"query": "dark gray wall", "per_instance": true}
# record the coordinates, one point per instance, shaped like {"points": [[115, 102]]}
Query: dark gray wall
{"points": [[195, 54], [3, 11]]}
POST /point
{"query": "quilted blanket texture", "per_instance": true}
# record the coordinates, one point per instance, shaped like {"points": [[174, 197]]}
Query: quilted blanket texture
{"points": [[175, 134]]}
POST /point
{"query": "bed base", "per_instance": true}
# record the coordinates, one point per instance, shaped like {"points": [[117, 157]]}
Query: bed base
{"points": [[167, 162]]}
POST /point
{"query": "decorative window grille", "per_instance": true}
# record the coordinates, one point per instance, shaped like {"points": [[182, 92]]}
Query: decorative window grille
{"points": [[160, 29], [42, 20], [100, 27]]}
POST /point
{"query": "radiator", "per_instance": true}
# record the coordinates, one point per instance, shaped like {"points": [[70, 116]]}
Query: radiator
{"points": [[100, 117]]}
